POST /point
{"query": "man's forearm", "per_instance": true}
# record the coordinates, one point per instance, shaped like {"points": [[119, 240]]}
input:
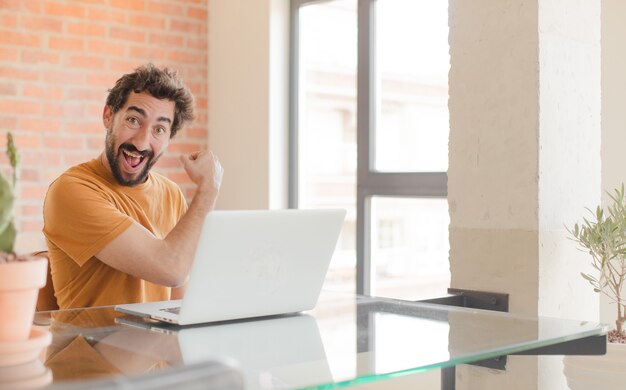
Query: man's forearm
{"points": [[182, 241]]}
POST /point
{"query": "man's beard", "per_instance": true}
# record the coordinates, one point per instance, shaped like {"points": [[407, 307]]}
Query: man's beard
{"points": [[113, 159]]}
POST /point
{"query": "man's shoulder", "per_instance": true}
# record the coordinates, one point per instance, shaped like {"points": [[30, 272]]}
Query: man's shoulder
{"points": [[81, 174], [164, 182]]}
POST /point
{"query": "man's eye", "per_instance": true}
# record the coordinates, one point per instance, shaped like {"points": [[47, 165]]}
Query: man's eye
{"points": [[160, 131], [132, 121]]}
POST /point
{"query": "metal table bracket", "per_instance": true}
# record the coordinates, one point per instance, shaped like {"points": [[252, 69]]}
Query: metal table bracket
{"points": [[593, 345]]}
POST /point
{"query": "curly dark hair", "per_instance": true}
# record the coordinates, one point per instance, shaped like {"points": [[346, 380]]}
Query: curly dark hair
{"points": [[162, 84]]}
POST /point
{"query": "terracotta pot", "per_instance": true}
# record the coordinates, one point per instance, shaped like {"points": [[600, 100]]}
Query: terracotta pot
{"points": [[604, 372], [20, 282]]}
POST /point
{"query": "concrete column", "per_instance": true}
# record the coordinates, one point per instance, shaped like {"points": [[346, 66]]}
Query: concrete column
{"points": [[524, 161], [248, 100], [613, 113]]}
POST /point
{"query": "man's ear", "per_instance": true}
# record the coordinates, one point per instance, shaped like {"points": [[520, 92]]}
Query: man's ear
{"points": [[107, 117]]}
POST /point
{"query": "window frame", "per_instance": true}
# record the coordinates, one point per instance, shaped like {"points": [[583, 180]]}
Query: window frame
{"points": [[369, 181]]}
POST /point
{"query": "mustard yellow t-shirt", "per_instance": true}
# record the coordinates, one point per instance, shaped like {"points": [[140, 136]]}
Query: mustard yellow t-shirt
{"points": [[84, 210]]}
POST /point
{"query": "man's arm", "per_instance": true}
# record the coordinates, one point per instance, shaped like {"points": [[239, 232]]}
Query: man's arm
{"points": [[167, 261]]}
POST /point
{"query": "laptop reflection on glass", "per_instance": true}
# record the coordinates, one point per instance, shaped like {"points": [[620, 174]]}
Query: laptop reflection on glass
{"points": [[253, 263], [272, 352]]}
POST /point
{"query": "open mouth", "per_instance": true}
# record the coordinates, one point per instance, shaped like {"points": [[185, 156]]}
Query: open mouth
{"points": [[133, 159]]}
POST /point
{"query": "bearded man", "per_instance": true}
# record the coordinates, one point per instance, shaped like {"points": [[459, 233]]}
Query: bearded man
{"points": [[116, 231]]}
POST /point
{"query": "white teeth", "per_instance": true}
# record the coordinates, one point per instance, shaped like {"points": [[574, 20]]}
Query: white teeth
{"points": [[131, 154]]}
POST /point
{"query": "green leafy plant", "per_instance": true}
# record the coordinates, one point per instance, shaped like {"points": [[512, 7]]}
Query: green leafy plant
{"points": [[604, 238], [7, 199]]}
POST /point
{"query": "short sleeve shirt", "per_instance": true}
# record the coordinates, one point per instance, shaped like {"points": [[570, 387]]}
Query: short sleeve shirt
{"points": [[84, 210]]}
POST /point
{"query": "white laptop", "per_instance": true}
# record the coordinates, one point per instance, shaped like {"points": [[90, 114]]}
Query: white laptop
{"points": [[253, 263]]}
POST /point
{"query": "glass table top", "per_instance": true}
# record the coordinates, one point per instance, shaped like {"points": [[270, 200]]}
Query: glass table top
{"points": [[345, 340]]}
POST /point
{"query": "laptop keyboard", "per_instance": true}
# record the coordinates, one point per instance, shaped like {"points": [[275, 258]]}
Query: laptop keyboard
{"points": [[173, 310]]}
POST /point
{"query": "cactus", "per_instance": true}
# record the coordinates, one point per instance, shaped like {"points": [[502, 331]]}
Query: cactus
{"points": [[7, 198]]}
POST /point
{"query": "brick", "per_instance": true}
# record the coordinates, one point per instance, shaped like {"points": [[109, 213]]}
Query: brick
{"points": [[40, 57], [187, 57], [34, 7], [136, 5], [188, 190], [73, 109], [39, 23], [43, 125], [12, 5], [9, 54], [147, 52], [188, 27], [94, 110], [34, 225], [37, 158], [64, 43], [18, 73], [83, 29], [167, 39], [92, 2], [103, 46], [201, 102], [110, 17], [103, 80], [8, 89], [30, 209], [8, 122], [30, 191], [127, 34], [27, 142], [124, 66], [165, 8], [16, 107], [66, 77], [40, 91], [197, 44], [87, 62], [147, 22], [51, 109], [65, 109], [197, 132], [65, 9], [71, 159], [95, 143], [169, 160], [8, 20], [85, 94], [64, 142], [85, 128], [183, 147], [197, 13], [178, 177], [20, 39]]}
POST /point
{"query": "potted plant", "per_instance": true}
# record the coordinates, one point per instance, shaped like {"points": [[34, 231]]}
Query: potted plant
{"points": [[604, 238], [21, 276]]}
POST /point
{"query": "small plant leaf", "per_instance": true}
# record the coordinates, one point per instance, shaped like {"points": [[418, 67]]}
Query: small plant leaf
{"points": [[7, 238]]}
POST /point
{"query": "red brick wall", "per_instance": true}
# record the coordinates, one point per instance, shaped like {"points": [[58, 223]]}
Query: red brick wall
{"points": [[57, 60]]}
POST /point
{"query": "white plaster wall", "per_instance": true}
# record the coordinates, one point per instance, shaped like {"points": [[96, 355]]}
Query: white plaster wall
{"points": [[493, 154], [493, 114], [613, 112], [493, 164], [569, 158], [248, 100], [524, 160]]}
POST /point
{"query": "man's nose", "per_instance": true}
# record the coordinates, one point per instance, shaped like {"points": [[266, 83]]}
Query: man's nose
{"points": [[141, 139]]}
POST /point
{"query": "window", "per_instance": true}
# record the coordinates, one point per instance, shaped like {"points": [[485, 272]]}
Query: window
{"points": [[369, 130]]}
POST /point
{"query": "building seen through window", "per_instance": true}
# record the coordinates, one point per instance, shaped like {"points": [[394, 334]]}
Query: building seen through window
{"points": [[409, 235]]}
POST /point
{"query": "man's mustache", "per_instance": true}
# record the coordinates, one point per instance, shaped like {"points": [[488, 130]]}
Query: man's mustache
{"points": [[132, 148]]}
